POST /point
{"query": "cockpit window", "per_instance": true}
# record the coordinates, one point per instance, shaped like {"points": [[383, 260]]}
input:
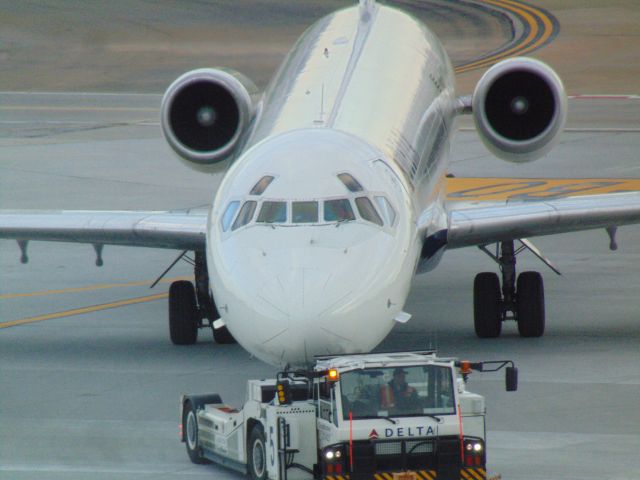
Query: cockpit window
{"points": [[338, 210], [273, 212], [245, 215], [229, 213], [385, 208], [261, 186], [350, 182], [304, 212], [367, 210]]}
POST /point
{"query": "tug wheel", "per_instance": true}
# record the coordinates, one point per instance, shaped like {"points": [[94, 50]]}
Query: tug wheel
{"points": [[257, 454], [190, 432]]}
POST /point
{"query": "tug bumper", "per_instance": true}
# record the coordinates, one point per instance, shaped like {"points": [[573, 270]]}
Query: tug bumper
{"points": [[476, 473]]}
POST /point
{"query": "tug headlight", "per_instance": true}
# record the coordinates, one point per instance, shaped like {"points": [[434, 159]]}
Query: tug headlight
{"points": [[331, 454], [474, 452], [475, 447]]}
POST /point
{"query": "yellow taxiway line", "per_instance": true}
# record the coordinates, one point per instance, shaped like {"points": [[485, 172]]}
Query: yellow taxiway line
{"points": [[540, 29], [88, 288], [83, 310]]}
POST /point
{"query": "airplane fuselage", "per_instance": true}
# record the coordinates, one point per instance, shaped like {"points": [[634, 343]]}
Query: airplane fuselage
{"points": [[314, 235]]}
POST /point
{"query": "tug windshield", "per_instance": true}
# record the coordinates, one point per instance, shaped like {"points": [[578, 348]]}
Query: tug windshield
{"points": [[397, 392]]}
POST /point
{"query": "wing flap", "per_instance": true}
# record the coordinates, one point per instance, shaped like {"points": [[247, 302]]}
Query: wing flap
{"points": [[183, 230], [482, 211]]}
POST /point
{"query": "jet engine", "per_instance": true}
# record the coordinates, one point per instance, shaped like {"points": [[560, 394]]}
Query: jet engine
{"points": [[519, 108], [204, 114]]}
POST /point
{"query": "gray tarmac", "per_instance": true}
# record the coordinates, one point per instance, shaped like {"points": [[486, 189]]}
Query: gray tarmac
{"points": [[95, 394]]}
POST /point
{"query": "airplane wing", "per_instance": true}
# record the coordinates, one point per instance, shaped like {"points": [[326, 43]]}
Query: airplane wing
{"points": [[481, 211], [182, 230]]}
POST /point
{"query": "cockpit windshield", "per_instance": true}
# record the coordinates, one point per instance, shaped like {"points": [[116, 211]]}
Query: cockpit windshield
{"points": [[356, 204], [397, 392], [367, 210], [245, 215], [273, 212], [304, 212], [338, 210]]}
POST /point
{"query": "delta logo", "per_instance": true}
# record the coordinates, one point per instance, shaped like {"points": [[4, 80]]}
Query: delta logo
{"points": [[373, 435]]}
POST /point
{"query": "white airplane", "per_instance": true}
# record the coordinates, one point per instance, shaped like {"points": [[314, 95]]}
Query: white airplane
{"points": [[336, 191]]}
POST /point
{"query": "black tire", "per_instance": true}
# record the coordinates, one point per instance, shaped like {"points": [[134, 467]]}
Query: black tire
{"points": [[530, 304], [183, 313], [190, 432], [486, 305], [223, 336], [257, 454]]}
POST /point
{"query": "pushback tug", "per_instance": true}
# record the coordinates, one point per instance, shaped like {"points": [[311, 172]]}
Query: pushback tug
{"points": [[392, 416]]}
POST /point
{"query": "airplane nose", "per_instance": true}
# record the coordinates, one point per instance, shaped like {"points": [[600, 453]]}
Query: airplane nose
{"points": [[309, 300], [303, 293], [295, 298]]}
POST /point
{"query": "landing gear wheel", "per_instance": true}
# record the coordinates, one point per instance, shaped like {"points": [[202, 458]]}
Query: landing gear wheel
{"points": [[530, 304], [223, 336], [183, 313], [257, 454], [486, 305], [190, 431]]}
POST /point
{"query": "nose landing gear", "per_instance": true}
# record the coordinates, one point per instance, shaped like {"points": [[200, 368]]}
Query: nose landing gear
{"points": [[521, 300], [190, 305]]}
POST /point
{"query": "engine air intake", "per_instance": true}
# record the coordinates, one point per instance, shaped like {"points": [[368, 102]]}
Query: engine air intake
{"points": [[204, 114], [519, 108]]}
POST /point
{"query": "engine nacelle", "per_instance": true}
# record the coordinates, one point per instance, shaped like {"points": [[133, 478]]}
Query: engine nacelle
{"points": [[204, 114], [519, 108]]}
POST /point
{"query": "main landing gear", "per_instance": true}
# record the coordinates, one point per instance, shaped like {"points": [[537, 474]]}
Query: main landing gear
{"points": [[521, 300], [190, 305]]}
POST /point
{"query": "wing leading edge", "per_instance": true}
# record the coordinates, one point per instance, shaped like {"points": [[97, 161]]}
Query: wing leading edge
{"points": [[487, 210], [181, 230]]}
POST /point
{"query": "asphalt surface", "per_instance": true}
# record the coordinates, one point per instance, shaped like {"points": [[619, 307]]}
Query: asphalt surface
{"points": [[95, 394]]}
